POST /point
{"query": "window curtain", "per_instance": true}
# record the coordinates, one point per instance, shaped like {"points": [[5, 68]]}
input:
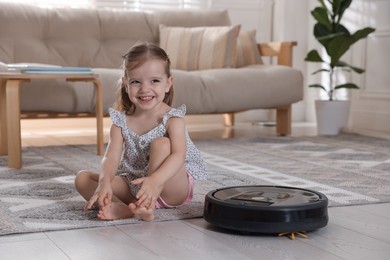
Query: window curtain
{"points": [[151, 4], [119, 4]]}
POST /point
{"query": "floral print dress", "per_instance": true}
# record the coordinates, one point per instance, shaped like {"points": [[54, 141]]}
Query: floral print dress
{"points": [[135, 158]]}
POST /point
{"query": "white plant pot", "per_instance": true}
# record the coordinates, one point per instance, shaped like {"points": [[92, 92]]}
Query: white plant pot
{"points": [[331, 116]]}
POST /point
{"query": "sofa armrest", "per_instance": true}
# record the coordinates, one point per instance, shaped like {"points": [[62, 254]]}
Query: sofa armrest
{"points": [[282, 50]]}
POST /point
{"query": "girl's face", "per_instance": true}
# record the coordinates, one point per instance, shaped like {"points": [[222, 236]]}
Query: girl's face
{"points": [[147, 84]]}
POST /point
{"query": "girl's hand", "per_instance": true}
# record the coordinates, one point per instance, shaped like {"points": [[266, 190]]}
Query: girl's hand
{"points": [[103, 195], [149, 192]]}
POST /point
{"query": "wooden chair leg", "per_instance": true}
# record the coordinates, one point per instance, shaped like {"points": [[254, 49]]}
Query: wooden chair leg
{"points": [[99, 116], [3, 119], [13, 124], [283, 120], [228, 119]]}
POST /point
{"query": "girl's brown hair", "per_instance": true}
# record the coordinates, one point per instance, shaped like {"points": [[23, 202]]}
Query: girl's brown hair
{"points": [[134, 58]]}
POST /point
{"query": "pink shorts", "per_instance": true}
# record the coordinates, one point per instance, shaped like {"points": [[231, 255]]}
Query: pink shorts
{"points": [[161, 204]]}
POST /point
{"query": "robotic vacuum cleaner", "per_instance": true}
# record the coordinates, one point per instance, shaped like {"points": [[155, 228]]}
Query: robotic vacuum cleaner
{"points": [[266, 209]]}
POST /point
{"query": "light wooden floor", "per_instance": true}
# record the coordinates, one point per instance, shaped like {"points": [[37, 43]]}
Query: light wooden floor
{"points": [[355, 232]]}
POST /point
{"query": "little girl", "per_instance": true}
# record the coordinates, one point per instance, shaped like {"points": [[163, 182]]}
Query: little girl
{"points": [[150, 161]]}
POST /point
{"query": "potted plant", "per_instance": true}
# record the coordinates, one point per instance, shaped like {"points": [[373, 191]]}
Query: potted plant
{"points": [[336, 40]]}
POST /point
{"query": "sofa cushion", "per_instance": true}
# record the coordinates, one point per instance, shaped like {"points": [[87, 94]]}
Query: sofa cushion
{"points": [[200, 48], [69, 37], [247, 51], [203, 92], [237, 89]]}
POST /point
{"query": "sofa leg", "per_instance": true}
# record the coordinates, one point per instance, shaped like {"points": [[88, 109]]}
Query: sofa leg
{"points": [[283, 120], [228, 119]]}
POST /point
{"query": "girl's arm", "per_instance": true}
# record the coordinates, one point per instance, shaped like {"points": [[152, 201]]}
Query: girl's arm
{"points": [[109, 167], [112, 156]]}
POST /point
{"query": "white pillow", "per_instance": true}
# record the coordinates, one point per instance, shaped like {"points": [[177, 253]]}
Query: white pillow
{"points": [[200, 48], [247, 51]]}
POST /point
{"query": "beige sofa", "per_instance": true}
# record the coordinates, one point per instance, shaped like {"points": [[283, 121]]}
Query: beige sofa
{"points": [[98, 38]]}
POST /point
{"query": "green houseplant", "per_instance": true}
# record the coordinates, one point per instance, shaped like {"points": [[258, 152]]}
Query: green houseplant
{"points": [[336, 39]]}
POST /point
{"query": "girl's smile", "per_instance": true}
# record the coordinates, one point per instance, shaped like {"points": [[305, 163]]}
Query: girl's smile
{"points": [[146, 99]]}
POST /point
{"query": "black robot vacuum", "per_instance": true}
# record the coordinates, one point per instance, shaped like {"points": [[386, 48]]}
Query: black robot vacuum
{"points": [[266, 209]]}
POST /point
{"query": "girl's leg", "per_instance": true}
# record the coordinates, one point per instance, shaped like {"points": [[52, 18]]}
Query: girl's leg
{"points": [[86, 183], [176, 189]]}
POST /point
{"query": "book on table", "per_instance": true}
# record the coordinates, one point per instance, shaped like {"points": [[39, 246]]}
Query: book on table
{"points": [[49, 69]]}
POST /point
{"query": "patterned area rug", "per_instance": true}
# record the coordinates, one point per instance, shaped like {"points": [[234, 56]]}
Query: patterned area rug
{"points": [[349, 169]]}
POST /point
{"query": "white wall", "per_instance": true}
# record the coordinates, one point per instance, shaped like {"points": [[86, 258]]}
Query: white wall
{"points": [[290, 23], [370, 106], [251, 14]]}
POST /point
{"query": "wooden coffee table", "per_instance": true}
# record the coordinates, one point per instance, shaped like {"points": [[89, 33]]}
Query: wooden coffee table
{"points": [[10, 136]]}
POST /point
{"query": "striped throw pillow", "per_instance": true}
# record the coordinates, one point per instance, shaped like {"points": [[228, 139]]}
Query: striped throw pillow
{"points": [[247, 51], [200, 48]]}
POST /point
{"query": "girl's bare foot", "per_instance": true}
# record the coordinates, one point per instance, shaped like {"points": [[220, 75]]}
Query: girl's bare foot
{"points": [[116, 210], [142, 212]]}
